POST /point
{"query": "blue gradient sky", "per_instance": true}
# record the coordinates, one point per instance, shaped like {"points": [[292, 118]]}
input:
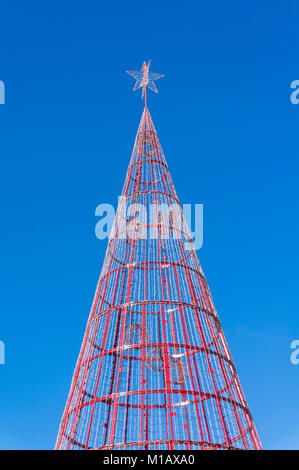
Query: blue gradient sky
{"points": [[230, 136]]}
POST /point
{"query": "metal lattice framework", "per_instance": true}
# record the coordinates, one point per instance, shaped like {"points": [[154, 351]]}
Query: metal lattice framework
{"points": [[154, 370]]}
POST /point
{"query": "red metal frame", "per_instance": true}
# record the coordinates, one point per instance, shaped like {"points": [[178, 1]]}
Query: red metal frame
{"points": [[154, 370]]}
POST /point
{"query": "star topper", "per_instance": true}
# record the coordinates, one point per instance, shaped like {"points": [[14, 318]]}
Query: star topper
{"points": [[145, 79]]}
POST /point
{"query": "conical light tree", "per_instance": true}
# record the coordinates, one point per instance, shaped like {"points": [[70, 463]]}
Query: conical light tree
{"points": [[154, 370]]}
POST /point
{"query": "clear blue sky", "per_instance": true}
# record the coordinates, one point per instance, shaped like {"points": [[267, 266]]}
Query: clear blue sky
{"points": [[230, 136]]}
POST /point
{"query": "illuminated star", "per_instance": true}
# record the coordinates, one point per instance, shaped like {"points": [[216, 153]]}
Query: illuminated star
{"points": [[145, 79]]}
